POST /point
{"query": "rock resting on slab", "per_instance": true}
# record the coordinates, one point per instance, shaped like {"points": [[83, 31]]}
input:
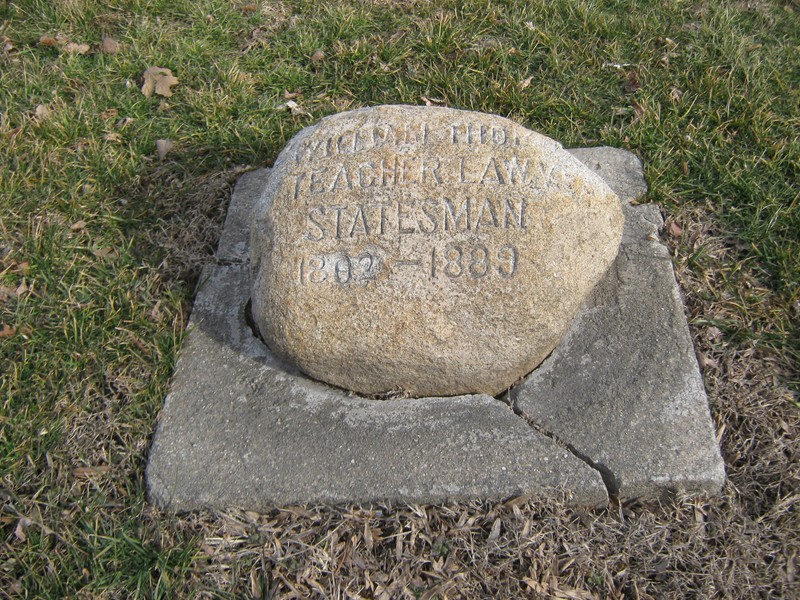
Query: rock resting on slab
{"points": [[426, 250]]}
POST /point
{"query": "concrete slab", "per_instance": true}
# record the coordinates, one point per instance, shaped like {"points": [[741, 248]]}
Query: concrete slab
{"points": [[239, 428], [623, 389]]}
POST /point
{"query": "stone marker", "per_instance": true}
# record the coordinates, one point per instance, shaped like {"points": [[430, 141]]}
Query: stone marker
{"points": [[241, 429], [426, 250]]}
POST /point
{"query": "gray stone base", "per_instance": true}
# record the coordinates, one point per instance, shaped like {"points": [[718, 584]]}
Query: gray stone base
{"points": [[620, 400]]}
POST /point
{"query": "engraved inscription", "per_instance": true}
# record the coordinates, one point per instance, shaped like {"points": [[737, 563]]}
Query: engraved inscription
{"points": [[339, 268], [423, 217], [474, 261], [343, 166], [412, 171]]}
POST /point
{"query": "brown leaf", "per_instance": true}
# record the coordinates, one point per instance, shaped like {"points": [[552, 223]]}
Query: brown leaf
{"points": [[109, 45], [123, 122], [41, 112], [525, 83], [638, 110], [6, 293], [432, 101], [73, 48], [7, 330], [78, 225], [46, 40], [294, 108], [249, 8], [162, 148], [706, 362], [158, 80], [89, 471], [632, 83], [109, 114], [675, 230], [318, 56], [494, 534], [287, 95], [20, 532], [685, 168], [112, 137], [8, 45], [102, 252], [23, 288]]}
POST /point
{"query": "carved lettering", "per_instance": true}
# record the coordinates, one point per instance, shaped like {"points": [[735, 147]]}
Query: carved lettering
{"points": [[320, 233], [409, 217], [451, 216]]}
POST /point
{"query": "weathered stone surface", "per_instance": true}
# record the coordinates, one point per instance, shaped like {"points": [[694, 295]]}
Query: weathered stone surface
{"points": [[425, 249]]}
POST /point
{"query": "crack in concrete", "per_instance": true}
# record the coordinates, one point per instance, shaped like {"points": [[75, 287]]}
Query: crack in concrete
{"points": [[610, 480]]}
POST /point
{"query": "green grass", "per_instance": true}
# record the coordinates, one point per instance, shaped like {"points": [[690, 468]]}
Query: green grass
{"points": [[100, 315]]}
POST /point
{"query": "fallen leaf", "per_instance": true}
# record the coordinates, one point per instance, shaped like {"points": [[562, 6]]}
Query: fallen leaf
{"points": [[73, 48], [123, 122], [109, 45], [78, 225], [287, 95], [318, 56], [675, 230], [112, 137], [109, 114], [525, 83], [432, 101], [41, 112], [706, 362], [632, 83], [20, 532], [684, 168], [294, 108], [494, 534], [249, 8], [6, 293], [7, 330], [89, 471], [162, 148], [158, 80], [638, 110], [102, 252], [22, 289], [46, 40], [8, 46]]}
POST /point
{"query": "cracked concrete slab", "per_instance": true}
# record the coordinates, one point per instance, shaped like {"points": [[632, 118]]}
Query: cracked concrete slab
{"points": [[241, 429], [623, 389]]}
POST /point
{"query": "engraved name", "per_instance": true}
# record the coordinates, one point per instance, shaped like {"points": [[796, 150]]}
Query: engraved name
{"points": [[422, 217]]}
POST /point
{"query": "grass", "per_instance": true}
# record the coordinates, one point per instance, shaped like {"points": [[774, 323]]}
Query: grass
{"points": [[101, 244]]}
